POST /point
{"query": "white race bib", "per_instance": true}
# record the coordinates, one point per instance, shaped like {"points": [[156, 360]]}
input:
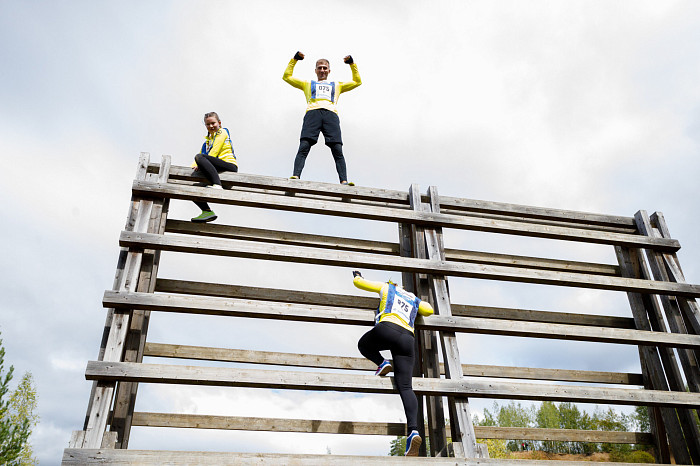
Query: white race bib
{"points": [[402, 308], [324, 91]]}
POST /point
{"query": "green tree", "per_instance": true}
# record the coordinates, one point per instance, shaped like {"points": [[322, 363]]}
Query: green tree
{"points": [[16, 416], [547, 417], [23, 404], [398, 446]]}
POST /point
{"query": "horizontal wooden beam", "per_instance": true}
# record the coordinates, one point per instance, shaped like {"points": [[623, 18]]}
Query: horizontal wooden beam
{"points": [[200, 421], [162, 350], [279, 252], [380, 247], [350, 316], [366, 302], [401, 197], [319, 381], [399, 215], [118, 457]]}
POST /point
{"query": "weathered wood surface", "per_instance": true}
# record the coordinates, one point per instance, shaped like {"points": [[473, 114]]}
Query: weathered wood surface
{"points": [[392, 214], [119, 321], [163, 350], [365, 302], [141, 171], [337, 315], [125, 394], [201, 421], [197, 458], [255, 378], [278, 252], [401, 198], [632, 265], [463, 436], [380, 247]]}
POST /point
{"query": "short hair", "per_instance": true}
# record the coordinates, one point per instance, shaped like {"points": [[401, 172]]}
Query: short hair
{"points": [[323, 59], [212, 114]]}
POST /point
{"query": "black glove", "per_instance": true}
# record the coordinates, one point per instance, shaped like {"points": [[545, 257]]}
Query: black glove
{"points": [[356, 273], [349, 60], [298, 56]]}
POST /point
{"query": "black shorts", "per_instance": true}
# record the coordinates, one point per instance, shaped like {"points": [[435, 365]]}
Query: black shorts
{"points": [[324, 121]]}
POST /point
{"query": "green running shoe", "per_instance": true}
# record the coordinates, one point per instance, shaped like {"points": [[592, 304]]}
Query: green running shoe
{"points": [[205, 216]]}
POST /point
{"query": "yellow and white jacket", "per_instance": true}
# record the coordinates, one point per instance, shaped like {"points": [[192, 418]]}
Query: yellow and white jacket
{"points": [[322, 94], [397, 305]]}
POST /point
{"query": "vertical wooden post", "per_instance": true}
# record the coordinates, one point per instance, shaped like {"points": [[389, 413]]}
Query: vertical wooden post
{"points": [[463, 436], [142, 167], [114, 348], [125, 397], [428, 340], [632, 266]]}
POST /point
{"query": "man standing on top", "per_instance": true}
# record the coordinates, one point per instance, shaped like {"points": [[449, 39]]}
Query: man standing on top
{"points": [[321, 112]]}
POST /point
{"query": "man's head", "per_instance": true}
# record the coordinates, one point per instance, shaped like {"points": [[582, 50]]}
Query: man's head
{"points": [[323, 67]]}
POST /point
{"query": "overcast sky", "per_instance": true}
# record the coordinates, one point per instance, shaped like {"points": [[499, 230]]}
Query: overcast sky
{"points": [[591, 106]]}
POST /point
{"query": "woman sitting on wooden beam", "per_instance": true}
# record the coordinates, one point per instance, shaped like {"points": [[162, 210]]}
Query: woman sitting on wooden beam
{"points": [[393, 330], [215, 156]]}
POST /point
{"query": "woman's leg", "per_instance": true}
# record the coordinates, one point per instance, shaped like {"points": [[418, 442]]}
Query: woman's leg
{"points": [[402, 360], [371, 344], [211, 167]]}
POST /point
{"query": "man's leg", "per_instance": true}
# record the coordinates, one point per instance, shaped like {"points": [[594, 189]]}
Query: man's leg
{"points": [[300, 159], [309, 136], [334, 140], [337, 151]]}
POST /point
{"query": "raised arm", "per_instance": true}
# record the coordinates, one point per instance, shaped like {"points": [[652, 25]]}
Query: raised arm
{"points": [[356, 81], [287, 76], [367, 285]]}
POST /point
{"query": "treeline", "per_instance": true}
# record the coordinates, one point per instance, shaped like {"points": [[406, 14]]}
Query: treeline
{"points": [[549, 415]]}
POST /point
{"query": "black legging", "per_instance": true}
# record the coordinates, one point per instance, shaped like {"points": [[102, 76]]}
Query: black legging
{"points": [[336, 151], [389, 336], [210, 168]]}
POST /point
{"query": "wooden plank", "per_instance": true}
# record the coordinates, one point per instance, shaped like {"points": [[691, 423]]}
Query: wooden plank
{"points": [[280, 202], [200, 421], [349, 316], [676, 380], [141, 170], [197, 458], [631, 265], [251, 250], [285, 380], [380, 247], [162, 350], [401, 197], [125, 395], [427, 362], [126, 280], [364, 302], [463, 437]]}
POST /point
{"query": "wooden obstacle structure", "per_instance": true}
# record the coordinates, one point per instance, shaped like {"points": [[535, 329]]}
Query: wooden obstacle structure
{"points": [[664, 323]]}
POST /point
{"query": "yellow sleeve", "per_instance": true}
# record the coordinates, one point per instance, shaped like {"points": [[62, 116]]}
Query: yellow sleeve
{"points": [[368, 285], [425, 309], [287, 76], [356, 81]]}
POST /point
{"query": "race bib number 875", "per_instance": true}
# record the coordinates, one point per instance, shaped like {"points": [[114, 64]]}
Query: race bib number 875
{"points": [[324, 91]]}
